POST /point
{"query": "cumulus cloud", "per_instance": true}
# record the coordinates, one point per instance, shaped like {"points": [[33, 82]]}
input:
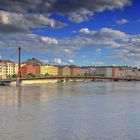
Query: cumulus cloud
{"points": [[9, 22], [57, 61], [68, 51], [71, 61], [36, 13], [122, 21], [20, 16], [76, 10], [121, 46], [104, 33], [86, 31], [49, 40], [103, 38]]}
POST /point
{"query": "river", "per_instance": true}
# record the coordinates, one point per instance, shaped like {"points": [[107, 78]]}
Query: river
{"points": [[72, 111]]}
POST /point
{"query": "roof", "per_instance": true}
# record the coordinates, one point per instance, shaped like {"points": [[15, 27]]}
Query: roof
{"points": [[6, 61]]}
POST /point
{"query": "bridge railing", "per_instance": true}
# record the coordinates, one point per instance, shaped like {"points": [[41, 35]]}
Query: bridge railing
{"points": [[83, 77]]}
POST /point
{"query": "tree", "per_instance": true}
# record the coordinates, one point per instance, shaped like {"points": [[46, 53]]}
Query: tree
{"points": [[47, 74], [31, 75], [14, 76]]}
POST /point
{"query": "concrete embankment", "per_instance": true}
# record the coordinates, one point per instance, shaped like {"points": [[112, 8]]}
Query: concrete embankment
{"points": [[45, 81]]}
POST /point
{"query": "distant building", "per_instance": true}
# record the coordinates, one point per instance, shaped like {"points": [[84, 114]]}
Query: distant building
{"points": [[84, 71], [30, 68], [127, 72], [137, 73], [7, 69], [50, 70], [105, 71], [92, 70], [75, 71], [64, 71], [43, 69], [116, 72], [33, 61]]}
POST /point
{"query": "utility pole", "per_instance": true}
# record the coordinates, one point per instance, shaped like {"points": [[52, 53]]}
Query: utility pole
{"points": [[19, 63]]}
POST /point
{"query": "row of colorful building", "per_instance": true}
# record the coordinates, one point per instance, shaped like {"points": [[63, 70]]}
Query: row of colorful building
{"points": [[9, 68]]}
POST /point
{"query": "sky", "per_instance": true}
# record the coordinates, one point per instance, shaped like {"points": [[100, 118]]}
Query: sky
{"points": [[79, 32]]}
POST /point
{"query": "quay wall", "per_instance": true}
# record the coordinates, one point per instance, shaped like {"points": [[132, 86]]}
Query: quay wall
{"points": [[45, 81]]}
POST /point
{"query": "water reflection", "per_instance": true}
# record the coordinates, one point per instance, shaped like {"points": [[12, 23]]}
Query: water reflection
{"points": [[8, 96], [76, 111], [19, 94]]}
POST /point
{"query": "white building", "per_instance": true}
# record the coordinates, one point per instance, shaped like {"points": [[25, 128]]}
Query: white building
{"points": [[105, 71], [84, 71], [127, 72]]}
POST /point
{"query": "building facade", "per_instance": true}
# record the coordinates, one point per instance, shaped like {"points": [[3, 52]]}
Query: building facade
{"points": [[50, 70], [7, 69], [104, 71], [84, 71], [43, 69], [116, 72], [127, 72], [30, 68], [75, 71], [92, 70], [64, 71]]}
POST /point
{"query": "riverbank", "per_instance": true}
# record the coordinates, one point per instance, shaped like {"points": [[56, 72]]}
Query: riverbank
{"points": [[46, 81]]}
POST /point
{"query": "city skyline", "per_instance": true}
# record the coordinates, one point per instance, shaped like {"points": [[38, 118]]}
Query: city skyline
{"points": [[72, 32]]}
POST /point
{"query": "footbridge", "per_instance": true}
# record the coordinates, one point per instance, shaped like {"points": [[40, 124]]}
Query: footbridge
{"points": [[55, 79], [83, 77]]}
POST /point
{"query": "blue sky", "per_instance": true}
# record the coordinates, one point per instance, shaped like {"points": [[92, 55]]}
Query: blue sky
{"points": [[81, 32]]}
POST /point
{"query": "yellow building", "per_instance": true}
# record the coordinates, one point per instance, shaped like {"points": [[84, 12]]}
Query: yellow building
{"points": [[7, 69], [2, 70], [51, 70]]}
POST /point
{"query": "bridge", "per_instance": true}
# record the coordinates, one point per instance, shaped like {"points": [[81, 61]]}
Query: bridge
{"points": [[56, 78], [84, 77]]}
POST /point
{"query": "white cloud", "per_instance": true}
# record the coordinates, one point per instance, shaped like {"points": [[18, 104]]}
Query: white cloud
{"points": [[121, 46], [57, 61], [108, 32], [122, 21], [104, 33], [4, 18], [49, 40], [86, 31], [71, 61], [67, 50], [9, 22], [76, 10]]}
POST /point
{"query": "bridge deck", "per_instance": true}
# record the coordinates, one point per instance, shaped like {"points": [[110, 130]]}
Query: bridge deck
{"points": [[83, 77]]}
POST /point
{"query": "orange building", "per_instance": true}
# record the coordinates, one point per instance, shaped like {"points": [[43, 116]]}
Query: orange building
{"points": [[116, 72], [30, 68], [75, 71]]}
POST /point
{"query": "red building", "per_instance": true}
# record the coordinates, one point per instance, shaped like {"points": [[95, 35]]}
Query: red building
{"points": [[30, 68], [75, 71]]}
